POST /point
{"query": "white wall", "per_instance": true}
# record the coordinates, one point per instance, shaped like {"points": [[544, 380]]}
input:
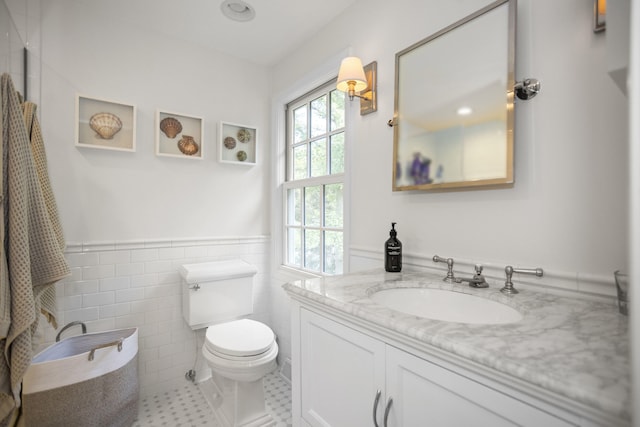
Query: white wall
{"points": [[634, 196], [109, 195], [130, 219], [568, 209], [567, 212], [20, 28]]}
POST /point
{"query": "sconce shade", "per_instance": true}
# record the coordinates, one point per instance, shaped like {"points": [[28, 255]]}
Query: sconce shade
{"points": [[351, 70]]}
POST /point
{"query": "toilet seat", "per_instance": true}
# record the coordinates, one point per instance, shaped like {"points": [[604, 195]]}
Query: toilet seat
{"points": [[242, 363], [243, 339], [241, 350]]}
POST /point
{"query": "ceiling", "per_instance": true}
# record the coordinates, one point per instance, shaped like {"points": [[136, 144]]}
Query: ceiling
{"points": [[279, 26]]}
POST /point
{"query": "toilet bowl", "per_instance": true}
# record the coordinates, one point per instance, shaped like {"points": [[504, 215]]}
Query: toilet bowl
{"points": [[239, 352]]}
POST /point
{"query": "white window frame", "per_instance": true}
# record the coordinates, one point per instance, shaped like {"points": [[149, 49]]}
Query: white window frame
{"points": [[304, 183], [315, 79]]}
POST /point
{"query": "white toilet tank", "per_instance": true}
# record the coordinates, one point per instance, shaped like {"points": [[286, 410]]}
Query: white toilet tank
{"points": [[217, 291]]}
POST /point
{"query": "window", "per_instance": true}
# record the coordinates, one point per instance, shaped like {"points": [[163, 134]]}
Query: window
{"points": [[314, 187]]}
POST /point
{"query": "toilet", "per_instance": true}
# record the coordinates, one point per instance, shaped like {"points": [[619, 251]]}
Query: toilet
{"points": [[239, 352]]}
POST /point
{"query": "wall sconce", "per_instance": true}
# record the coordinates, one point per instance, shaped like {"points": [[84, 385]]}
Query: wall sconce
{"points": [[353, 77], [599, 15], [527, 89]]}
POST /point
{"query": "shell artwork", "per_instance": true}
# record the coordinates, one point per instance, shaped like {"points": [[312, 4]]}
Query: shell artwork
{"points": [[244, 135], [230, 142], [242, 156], [171, 127], [106, 125], [188, 146]]}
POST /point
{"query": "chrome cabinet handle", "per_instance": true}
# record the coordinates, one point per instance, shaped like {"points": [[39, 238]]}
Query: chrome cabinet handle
{"points": [[375, 408], [387, 409]]}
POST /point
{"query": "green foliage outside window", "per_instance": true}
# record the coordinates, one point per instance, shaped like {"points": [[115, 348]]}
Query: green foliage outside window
{"points": [[314, 222]]}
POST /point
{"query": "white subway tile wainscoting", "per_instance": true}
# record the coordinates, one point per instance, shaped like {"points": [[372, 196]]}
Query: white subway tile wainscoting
{"points": [[117, 285]]}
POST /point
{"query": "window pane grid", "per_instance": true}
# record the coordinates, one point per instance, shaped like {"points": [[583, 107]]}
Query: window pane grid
{"points": [[336, 109], [319, 117], [303, 155], [313, 222]]}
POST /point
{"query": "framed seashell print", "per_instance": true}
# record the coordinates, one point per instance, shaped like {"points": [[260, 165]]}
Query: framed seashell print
{"points": [[179, 135], [104, 124], [237, 144]]}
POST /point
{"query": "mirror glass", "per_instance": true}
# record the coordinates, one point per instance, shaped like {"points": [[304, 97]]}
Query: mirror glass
{"points": [[453, 120]]}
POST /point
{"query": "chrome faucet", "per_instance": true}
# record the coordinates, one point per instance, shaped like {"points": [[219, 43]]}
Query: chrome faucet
{"points": [[477, 281], [509, 270], [449, 278]]}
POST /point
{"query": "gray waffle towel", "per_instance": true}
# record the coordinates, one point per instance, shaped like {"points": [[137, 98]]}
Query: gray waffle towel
{"points": [[32, 256]]}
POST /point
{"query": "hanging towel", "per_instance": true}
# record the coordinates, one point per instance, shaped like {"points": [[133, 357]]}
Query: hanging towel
{"points": [[32, 256], [47, 297]]}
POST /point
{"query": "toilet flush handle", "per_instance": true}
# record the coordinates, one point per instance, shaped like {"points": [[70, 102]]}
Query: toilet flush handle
{"points": [[195, 286]]}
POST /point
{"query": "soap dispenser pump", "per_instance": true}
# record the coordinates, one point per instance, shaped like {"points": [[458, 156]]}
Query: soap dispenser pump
{"points": [[393, 252]]}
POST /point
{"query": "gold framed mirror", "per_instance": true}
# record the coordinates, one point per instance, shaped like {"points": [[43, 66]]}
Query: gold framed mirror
{"points": [[453, 116]]}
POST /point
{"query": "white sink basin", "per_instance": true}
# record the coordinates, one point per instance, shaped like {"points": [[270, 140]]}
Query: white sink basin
{"points": [[449, 306]]}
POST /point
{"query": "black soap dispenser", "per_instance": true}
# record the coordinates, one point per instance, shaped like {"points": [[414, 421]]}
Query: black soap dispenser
{"points": [[393, 252]]}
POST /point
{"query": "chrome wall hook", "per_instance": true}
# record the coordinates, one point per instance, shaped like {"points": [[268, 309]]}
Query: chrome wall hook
{"points": [[527, 88]]}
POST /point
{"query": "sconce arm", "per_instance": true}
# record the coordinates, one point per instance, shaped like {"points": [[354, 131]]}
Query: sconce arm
{"points": [[367, 95], [527, 88]]}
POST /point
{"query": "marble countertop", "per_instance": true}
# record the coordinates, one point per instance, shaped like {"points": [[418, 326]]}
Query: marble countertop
{"points": [[573, 347]]}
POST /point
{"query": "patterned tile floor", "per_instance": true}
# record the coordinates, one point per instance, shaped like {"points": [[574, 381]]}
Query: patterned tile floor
{"points": [[187, 407]]}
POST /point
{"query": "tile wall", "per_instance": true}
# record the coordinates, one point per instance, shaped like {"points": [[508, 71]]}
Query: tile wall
{"points": [[117, 285]]}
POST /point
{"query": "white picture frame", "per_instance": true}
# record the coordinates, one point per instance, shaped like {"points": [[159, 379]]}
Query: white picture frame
{"points": [[179, 135], [105, 124], [237, 144]]}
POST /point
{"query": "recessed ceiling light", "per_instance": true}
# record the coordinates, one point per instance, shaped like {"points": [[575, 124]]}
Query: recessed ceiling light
{"points": [[237, 10], [464, 111]]}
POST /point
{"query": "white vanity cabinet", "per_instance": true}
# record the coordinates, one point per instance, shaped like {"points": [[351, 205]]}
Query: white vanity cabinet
{"points": [[341, 371], [425, 394], [338, 369]]}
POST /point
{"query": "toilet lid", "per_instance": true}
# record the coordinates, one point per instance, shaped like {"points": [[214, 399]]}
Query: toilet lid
{"points": [[242, 337]]}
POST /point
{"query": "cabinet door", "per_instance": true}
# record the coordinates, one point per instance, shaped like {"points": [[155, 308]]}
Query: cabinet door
{"points": [[426, 394], [341, 371]]}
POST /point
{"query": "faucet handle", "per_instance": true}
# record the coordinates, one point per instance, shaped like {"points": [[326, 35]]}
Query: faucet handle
{"points": [[509, 270], [449, 277], [437, 258], [478, 269]]}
